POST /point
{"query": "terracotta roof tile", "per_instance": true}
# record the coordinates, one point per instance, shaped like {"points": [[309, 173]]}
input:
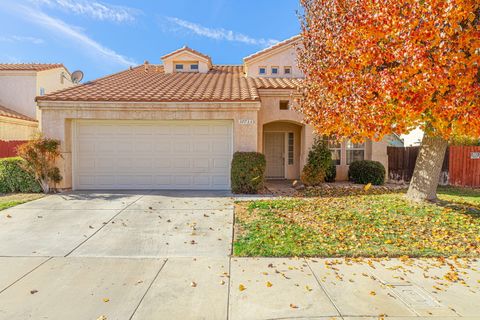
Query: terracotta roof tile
{"points": [[5, 112], [275, 46], [29, 66]]}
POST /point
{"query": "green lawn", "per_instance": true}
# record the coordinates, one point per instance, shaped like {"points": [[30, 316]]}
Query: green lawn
{"points": [[369, 225], [11, 200]]}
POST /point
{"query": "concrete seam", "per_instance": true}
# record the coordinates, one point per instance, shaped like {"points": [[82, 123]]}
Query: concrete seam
{"points": [[26, 274], [103, 226], [323, 289], [229, 285], [148, 289]]}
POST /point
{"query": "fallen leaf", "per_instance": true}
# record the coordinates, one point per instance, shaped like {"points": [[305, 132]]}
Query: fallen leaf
{"points": [[373, 293], [193, 284], [106, 300], [8, 216], [33, 291], [367, 187], [269, 284], [241, 287], [102, 318], [293, 306]]}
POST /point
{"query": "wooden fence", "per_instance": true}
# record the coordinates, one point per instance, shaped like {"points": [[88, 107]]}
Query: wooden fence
{"points": [[464, 166], [401, 163], [9, 148]]}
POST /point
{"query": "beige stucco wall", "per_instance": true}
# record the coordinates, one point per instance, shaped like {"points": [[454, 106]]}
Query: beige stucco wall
{"points": [[18, 91], [15, 129], [282, 57], [57, 121]]}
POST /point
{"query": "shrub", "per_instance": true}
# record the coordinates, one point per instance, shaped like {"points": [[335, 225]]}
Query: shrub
{"points": [[248, 172], [319, 164], [331, 173], [40, 155], [13, 178], [367, 171]]}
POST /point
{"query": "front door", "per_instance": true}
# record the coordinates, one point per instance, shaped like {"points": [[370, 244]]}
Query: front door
{"points": [[275, 154]]}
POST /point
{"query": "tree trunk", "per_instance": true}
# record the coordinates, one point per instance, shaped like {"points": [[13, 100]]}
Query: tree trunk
{"points": [[428, 168]]}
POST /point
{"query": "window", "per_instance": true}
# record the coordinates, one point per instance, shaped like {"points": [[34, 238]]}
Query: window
{"points": [[179, 67], [194, 67], [291, 142], [274, 70], [336, 149], [42, 91], [284, 105], [355, 151], [287, 70], [262, 70]]}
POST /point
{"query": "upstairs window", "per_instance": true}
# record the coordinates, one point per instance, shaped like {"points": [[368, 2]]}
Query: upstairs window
{"points": [[355, 151], [262, 70], [42, 91], [194, 67], [287, 70], [284, 105], [274, 70], [179, 67]]}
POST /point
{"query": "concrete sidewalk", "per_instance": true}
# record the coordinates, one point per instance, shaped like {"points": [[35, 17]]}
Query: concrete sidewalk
{"points": [[162, 255]]}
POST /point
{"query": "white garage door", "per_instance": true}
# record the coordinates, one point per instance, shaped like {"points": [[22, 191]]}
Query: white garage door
{"points": [[174, 154]]}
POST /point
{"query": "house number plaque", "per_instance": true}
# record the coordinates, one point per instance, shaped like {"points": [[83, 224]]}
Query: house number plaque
{"points": [[246, 121], [475, 155]]}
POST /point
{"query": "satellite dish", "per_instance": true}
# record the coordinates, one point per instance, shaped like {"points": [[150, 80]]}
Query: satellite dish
{"points": [[77, 76]]}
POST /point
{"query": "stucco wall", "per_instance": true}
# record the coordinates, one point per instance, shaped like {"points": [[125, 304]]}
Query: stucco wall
{"points": [[14, 129], [185, 57], [18, 91], [279, 58], [56, 122]]}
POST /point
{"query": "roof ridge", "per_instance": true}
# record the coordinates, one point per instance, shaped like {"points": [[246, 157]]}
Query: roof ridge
{"points": [[14, 114], [273, 47]]}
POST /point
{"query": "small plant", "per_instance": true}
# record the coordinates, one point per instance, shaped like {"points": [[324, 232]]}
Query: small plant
{"points": [[331, 173], [319, 164], [13, 178], [367, 171], [40, 155], [248, 172]]}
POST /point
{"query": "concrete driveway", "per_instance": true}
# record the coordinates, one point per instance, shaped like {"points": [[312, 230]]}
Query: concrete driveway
{"points": [[166, 255]]}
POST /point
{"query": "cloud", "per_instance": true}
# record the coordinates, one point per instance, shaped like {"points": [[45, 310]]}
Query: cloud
{"points": [[14, 38], [220, 33], [92, 9], [73, 33]]}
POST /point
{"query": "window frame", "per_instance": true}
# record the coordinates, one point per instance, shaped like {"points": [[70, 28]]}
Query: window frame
{"points": [[290, 148], [350, 147], [194, 65], [260, 71], [280, 105], [334, 147], [179, 69], [277, 70], [289, 70]]}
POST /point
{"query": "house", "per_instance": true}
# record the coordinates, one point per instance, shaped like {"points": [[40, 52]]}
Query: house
{"points": [[177, 125], [394, 140], [19, 85]]}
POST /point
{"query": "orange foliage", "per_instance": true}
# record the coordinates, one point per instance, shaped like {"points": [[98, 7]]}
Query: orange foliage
{"points": [[374, 67]]}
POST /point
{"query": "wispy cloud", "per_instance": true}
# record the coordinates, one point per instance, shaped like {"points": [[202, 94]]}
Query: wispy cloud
{"points": [[93, 9], [59, 27], [13, 38], [220, 33]]}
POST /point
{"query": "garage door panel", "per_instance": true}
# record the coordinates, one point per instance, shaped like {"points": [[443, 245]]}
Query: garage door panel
{"points": [[153, 155]]}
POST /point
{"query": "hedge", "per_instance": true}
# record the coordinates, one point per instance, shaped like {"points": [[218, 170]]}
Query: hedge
{"points": [[14, 179], [248, 172], [367, 171]]}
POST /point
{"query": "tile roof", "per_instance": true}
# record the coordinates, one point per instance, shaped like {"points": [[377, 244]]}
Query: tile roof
{"points": [[271, 48], [5, 112], [149, 83], [29, 66]]}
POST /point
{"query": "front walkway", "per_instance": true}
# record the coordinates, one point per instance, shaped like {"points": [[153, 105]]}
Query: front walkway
{"points": [[166, 255]]}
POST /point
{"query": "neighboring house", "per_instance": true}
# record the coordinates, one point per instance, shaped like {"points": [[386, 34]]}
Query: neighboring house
{"points": [[177, 125], [394, 140], [19, 85]]}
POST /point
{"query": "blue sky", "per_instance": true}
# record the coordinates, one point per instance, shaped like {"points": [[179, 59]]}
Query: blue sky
{"points": [[103, 37]]}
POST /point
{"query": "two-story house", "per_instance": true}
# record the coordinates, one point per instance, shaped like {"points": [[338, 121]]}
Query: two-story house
{"points": [[176, 125], [19, 85]]}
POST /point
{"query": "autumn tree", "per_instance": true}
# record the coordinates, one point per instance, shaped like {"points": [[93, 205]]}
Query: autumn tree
{"points": [[376, 67]]}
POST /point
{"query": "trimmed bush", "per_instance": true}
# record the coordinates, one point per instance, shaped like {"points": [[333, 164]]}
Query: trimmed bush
{"points": [[248, 172], [13, 178], [319, 164], [367, 171], [331, 173]]}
